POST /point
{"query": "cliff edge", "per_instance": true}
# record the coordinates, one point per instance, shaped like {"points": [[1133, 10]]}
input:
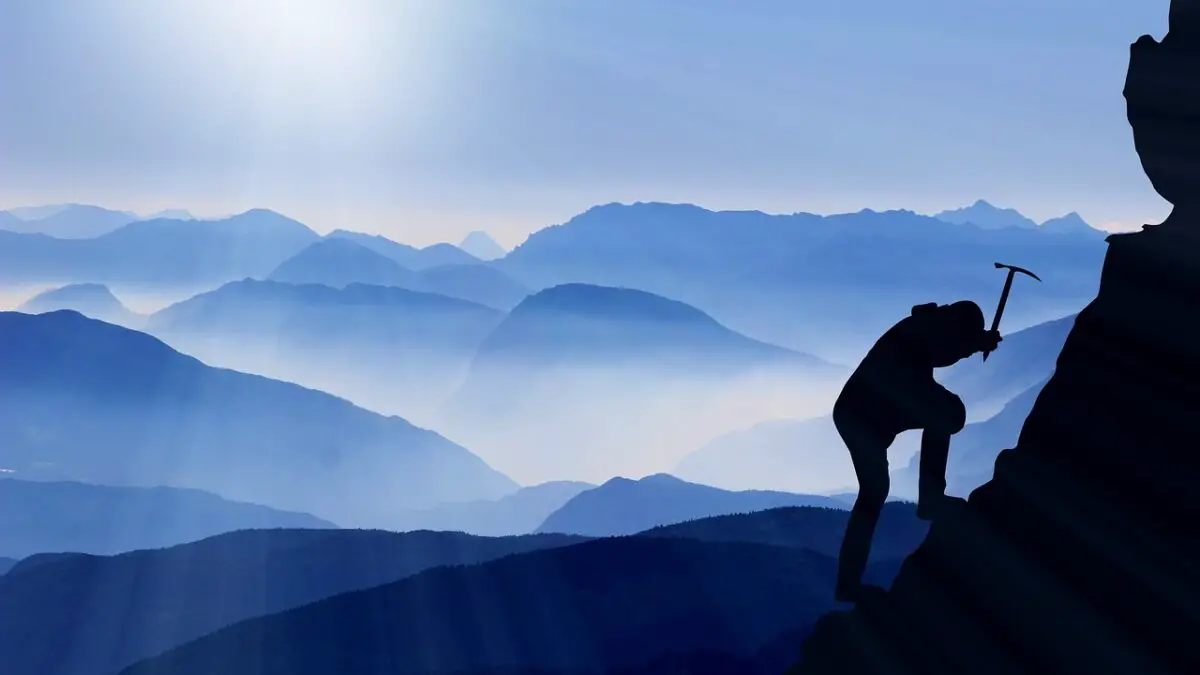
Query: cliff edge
{"points": [[1081, 555]]}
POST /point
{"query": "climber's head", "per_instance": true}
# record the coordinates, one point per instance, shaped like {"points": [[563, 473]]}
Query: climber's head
{"points": [[966, 317]]}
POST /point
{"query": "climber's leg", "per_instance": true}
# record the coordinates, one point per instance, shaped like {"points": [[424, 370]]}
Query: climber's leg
{"points": [[931, 486], [946, 416], [868, 450]]}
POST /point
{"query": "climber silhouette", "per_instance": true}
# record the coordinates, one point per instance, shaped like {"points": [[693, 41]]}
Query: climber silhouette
{"points": [[892, 391]]}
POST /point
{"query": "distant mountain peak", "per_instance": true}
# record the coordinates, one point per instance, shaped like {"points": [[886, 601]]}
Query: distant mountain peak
{"points": [[986, 215], [1071, 223], [481, 245]]}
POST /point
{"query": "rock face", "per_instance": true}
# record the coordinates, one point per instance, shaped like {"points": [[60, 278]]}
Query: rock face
{"points": [[1080, 555]]}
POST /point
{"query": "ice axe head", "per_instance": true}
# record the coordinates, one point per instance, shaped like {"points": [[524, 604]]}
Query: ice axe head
{"points": [[1012, 271]]}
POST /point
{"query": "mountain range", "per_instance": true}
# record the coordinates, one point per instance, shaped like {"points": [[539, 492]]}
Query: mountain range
{"points": [[343, 260], [622, 506], [389, 349], [547, 383], [65, 221], [158, 252], [51, 517], [6, 564], [985, 215], [143, 414], [826, 285]]}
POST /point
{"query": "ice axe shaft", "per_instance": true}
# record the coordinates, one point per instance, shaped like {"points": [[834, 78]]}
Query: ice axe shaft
{"points": [[1012, 272]]}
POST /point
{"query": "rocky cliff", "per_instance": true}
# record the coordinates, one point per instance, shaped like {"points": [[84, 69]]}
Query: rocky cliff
{"points": [[1081, 555]]}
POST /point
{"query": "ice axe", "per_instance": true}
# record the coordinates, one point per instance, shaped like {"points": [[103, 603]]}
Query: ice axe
{"points": [[1012, 272]]}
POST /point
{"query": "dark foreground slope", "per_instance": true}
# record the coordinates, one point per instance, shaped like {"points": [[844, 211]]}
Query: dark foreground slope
{"points": [[92, 615], [592, 607], [1080, 555]]}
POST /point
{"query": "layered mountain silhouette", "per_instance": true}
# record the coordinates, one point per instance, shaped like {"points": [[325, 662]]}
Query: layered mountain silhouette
{"points": [[578, 377], [1079, 555], [481, 245], [623, 506], [67, 221], [804, 455], [142, 414], [49, 517], [6, 564], [518, 513], [95, 301], [94, 615], [160, 251], [386, 348], [590, 607], [814, 528], [843, 278], [410, 257], [340, 261]]}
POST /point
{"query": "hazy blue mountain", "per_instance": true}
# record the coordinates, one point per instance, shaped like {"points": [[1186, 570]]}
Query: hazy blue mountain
{"points": [[92, 300], [143, 414], [1024, 359], [477, 283], [804, 455], [519, 513], [623, 506], [577, 379], [481, 245], [585, 323], [10, 222], [407, 256], [386, 348], [815, 528], [112, 611], [826, 285], [70, 221], [973, 450], [35, 212], [159, 251], [47, 517], [339, 261], [6, 564], [1072, 223], [982, 214], [594, 606], [174, 214]]}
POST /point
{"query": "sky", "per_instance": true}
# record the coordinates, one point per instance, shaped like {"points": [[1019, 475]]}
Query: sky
{"points": [[426, 119]]}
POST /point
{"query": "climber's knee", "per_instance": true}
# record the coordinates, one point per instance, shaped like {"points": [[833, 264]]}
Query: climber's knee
{"points": [[873, 490], [950, 416]]}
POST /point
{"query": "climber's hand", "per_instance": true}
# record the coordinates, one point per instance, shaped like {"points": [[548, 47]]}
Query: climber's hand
{"points": [[991, 340]]}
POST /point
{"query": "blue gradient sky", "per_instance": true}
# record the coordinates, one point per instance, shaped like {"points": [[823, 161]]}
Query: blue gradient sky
{"points": [[426, 119]]}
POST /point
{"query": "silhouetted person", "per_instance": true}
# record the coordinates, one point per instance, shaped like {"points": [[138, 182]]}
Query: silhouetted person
{"points": [[892, 391]]}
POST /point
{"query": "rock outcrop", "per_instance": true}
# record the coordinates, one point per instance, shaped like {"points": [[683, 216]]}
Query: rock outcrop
{"points": [[1081, 555]]}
